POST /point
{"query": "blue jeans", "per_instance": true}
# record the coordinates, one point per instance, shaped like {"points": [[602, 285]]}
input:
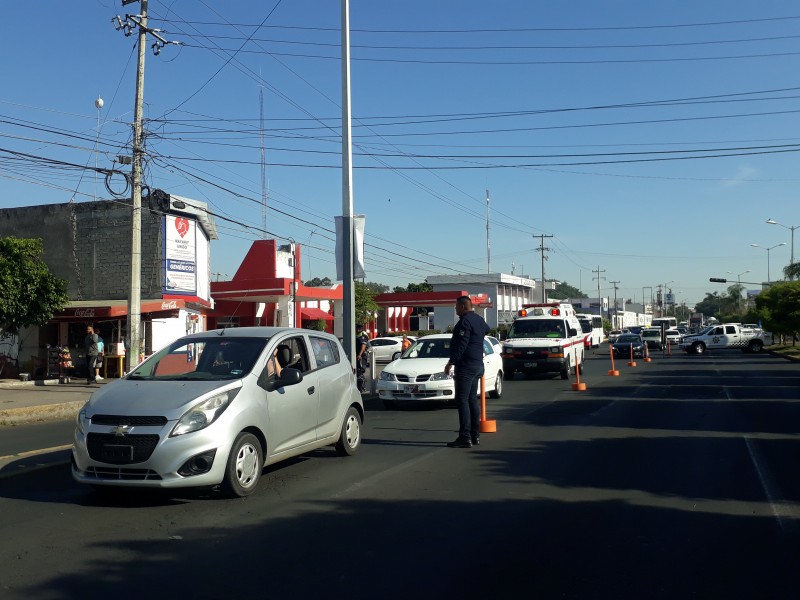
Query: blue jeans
{"points": [[467, 379]]}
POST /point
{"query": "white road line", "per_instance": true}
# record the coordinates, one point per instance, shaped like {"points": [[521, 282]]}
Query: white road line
{"points": [[766, 483], [35, 452]]}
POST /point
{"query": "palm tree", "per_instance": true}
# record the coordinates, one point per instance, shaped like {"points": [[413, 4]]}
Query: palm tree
{"points": [[792, 271]]}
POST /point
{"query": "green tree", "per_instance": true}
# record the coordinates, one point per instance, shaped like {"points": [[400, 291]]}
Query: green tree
{"points": [[780, 307], [792, 271], [317, 282], [376, 288], [565, 290], [29, 293], [365, 303]]}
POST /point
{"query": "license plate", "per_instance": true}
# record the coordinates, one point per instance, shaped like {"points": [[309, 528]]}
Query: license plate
{"points": [[113, 452], [413, 389], [530, 365]]}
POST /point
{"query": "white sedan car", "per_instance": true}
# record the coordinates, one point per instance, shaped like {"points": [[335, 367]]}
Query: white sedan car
{"points": [[383, 348], [419, 373]]}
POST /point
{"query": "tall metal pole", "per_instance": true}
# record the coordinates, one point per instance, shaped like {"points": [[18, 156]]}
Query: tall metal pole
{"points": [[349, 312], [135, 295], [616, 312], [488, 245]]}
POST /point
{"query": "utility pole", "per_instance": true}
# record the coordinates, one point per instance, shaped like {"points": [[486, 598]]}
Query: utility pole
{"points": [[542, 249], [135, 294], [349, 309], [616, 312], [488, 245], [599, 299]]}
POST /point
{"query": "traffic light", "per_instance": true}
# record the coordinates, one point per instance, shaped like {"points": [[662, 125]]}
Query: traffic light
{"points": [[717, 280]]}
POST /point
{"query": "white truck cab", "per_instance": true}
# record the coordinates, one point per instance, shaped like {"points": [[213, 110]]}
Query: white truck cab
{"points": [[726, 336], [544, 338]]}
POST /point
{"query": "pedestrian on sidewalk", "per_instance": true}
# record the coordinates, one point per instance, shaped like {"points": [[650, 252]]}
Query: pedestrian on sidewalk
{"points": [[92, 355], [466, 355]]}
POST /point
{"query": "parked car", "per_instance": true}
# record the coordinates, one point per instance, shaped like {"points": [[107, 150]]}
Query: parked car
{"points": [[613, 335], [626, 343], [652, 337], [496, 344], [216, 407], [419, 373], [384, 348]]}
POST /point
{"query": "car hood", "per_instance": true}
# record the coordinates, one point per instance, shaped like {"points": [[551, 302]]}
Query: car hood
{"points": [[416, 366], [168, 398]]}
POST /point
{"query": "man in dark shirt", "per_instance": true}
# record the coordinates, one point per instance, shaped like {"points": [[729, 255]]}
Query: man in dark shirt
{"points": [[92, 352], [466, 355]]}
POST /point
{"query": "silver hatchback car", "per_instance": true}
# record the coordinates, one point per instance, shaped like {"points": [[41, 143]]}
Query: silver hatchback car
{"points": [[216, 407]]}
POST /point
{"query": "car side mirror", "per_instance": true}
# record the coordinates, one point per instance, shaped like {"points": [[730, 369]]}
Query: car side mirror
{"points": [[288, 377], [573, 332]]}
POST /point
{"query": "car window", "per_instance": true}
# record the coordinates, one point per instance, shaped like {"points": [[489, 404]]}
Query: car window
{"points": [[429, 349], [730, 329], [537, 328], [325, 352], [299, 354], [207, 359], [487, 347]]}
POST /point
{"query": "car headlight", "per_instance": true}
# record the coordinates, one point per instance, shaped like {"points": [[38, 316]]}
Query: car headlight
{"points": [[204, 413], [387, 376], [441, 376], [556, 350], [80, 419]]}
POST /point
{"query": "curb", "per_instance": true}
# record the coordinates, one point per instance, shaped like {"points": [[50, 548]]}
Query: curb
{"points": [[13, 383], [34, 414], [783, 356]]}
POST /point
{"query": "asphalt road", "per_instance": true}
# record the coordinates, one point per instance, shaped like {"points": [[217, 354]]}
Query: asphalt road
{"points": [[677, 479]]}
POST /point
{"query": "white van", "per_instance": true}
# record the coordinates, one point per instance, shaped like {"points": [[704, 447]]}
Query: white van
{"points": [[216, 407], [544, 338]]}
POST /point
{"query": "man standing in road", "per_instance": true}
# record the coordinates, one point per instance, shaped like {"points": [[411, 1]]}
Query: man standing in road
{"points": [[466, 355]]}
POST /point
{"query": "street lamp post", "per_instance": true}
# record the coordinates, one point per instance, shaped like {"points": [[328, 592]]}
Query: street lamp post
{"points": [[739, 283], [648, 287], [769, 280], [790, 228]]}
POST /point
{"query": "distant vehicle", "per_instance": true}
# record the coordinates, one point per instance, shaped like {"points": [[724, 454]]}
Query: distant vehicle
{"points": [[671, 322], [613, 335], [637, 329], [729, 335], [628, 344], [419, 373], [593, 326], [652, 337], [673, 337], [384, 348]]}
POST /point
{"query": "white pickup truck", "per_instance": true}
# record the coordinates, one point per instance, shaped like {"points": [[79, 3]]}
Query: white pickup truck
{"points": [[729, 335]]}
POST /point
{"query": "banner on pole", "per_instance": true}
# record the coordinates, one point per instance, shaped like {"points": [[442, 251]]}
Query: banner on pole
{"points": [[358, 247]]}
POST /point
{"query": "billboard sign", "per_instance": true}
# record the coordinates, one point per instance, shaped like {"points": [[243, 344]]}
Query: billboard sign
{"points": [[180, 255]]}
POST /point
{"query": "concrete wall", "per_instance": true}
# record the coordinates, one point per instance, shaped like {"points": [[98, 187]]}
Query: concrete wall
{"points": [[89, 245]]}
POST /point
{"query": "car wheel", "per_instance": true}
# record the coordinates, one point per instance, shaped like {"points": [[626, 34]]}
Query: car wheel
{"points": [[389, 404], [350, 438], [566, 370], [756, 346], [698, 347], [245, 462], [498, 386]]}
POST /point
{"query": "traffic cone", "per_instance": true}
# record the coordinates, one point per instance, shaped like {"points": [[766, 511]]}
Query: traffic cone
{"points": [[647, 353], [485, 425], [578, 386], [632, 363], [613, 372]]}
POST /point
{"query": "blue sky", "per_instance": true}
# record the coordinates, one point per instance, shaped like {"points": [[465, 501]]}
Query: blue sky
{"points": [[558, 109]]}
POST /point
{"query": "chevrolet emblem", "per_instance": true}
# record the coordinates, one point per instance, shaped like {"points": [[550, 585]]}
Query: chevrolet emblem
{"points": [[121, 430]]}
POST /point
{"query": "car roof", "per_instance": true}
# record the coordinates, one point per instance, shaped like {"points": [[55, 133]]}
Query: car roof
{"points": [[253, 332]]}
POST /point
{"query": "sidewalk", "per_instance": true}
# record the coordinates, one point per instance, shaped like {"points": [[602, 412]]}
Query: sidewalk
{"points": [[32, 401]]}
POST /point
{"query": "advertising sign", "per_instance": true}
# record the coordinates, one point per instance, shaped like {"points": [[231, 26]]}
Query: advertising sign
{"points": [[180, 255]]}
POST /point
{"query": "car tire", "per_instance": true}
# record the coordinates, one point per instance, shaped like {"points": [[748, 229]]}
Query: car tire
{"points": [[698, 347], [498, 386], [245, 463], [755, 346], [389, 404], [350, 438], [566, 370]]}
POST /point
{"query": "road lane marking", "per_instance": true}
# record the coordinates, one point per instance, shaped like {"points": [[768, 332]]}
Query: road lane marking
{"points": [[35, 452]]}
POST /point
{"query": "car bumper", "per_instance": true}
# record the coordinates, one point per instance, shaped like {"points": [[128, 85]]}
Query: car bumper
{"points": [[159, 469], [428, 390], [533, 365]]}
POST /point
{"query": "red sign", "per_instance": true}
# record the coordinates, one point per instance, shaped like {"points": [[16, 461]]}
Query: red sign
{"points": [[182, 226]]}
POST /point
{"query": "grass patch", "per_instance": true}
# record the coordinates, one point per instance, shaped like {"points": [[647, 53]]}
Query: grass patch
{"points": [[786, 350]]}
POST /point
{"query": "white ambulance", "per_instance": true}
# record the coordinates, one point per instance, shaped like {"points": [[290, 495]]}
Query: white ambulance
{"points": [[545, 338]]}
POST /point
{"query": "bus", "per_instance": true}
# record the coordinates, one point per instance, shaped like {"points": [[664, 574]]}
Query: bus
{"points": [[593, 326], [669, 322]]}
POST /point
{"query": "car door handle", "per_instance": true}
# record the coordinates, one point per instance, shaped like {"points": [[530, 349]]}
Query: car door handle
{"points": [[311, 390]]}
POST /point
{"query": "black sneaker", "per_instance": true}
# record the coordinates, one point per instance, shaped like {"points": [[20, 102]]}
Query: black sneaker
{"points": [[476, 440], [460, 442]]}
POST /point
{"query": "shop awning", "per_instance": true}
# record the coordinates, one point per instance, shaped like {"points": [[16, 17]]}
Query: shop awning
{"points": [[110, 309], [314, 314]]}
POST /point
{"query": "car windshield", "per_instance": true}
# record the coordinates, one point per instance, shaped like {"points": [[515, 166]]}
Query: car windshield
{"points": [[628, 339], [537, 328], [586, 326], [651, 333], [202, 359], [438, 348]]}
